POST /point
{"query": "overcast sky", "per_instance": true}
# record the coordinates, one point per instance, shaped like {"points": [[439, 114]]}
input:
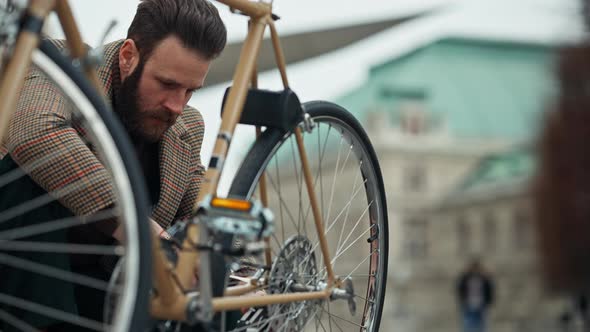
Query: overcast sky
{"points": [[297, 15]]}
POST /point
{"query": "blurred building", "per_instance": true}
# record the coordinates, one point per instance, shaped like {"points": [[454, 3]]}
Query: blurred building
{"points": [[452, 123], [489, 215]]}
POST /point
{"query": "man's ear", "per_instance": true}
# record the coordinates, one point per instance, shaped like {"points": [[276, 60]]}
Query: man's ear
{"points": [[128, 58]]}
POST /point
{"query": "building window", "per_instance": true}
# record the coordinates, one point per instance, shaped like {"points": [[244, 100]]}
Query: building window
{"points": [[409, 106], [416, 238], [521, 231], [490, 232], [415, 178], [463, 237], [414, 120]]}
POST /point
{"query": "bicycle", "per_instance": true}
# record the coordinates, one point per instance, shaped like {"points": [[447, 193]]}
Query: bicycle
{"points": [[298, 291]]}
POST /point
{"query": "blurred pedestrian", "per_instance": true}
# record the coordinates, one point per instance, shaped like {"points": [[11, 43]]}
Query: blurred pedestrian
{"points": [[475, 294]]}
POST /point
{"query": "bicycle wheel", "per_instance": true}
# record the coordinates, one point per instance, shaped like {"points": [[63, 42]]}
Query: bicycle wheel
{"points": [[349, 187], [52, 280]]}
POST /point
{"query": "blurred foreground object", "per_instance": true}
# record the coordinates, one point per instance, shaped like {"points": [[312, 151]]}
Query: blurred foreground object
{"points": [[563, 181]]}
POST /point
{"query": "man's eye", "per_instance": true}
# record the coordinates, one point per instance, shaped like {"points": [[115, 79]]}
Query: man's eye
{"points": [[167, 84]]}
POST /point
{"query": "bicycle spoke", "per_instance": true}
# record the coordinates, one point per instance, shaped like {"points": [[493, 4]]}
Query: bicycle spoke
{"points": [[23, 170], [338, 326], [346, 160], [280, 205], [56, 273], [12, 176], [14, 321], [55, 225], [338, 254], [302, 221], [344, 319], [282, 202], [280, 329], [332, 321], [347, 212], [363, 261], [327, 230], [299, 181], [355, 226], [279, 244], [318, 177], [322, 325], [51, 312], [43, 199], [329, 317], [222, 321], [333, 223], [334, 181], [64, 248], [350, 245], [364, 299], [263, 321], [303, 217], [309, 320], [348, 204]]}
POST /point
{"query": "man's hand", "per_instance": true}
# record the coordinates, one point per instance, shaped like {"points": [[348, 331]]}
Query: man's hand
{"points": [[159, 230], [119, 235]]}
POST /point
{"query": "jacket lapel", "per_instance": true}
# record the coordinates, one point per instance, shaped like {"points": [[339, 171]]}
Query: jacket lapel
{"points": [[108, 72], [175, 157]]}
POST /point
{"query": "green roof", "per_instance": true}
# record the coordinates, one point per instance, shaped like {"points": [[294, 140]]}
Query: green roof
{"points": [[499, 168], [479, 89]]}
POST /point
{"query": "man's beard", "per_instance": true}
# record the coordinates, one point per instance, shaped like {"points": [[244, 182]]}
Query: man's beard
{"points": [[128, 109]]}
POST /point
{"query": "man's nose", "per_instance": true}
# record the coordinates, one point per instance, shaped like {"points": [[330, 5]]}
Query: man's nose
{"points": [[175, 103]]}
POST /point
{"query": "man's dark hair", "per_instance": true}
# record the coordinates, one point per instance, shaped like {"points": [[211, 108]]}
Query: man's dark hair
{"points": [[195, 22]]}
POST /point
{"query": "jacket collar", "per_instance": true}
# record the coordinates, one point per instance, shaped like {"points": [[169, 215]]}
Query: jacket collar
{"points": [[108, 72], [175, 162]]}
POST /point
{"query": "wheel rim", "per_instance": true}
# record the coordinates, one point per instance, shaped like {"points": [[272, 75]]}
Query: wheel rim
{"points": [[341, 165], [30, 238]]}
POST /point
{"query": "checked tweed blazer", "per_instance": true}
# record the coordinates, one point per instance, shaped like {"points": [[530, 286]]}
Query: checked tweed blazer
{"points": [[41, 127]]}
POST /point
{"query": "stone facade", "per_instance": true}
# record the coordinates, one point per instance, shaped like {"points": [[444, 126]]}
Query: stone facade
{"points": [[435, 231]]}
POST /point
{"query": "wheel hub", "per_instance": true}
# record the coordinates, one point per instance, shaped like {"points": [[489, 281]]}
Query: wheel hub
{"points": [[294, 269]]}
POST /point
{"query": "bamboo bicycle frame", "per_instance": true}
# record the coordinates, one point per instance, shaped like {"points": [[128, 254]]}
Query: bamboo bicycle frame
{"points": [[170, 302]]}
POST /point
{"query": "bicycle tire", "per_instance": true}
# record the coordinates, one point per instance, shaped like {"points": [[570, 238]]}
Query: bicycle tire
{"points": [[268, 148], [116, 153]]}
